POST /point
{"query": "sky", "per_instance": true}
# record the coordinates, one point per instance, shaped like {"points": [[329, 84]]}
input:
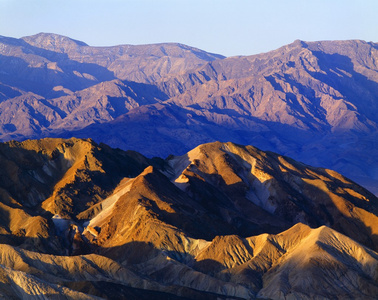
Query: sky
{"points": [[228, 27]]}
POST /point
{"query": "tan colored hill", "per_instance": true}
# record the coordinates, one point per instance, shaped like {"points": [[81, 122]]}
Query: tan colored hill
{"points": [[223, 221], [49, 177], [233, 191], [20, 285], [292, 191], [300, 262]]}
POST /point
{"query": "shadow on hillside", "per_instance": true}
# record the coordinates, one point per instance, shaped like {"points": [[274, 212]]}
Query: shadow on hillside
{"points": [[112, 290], [170, 268], [318, 113], [351, 85], [160, 130], [42, 80], [115, 283], [305, 202]]}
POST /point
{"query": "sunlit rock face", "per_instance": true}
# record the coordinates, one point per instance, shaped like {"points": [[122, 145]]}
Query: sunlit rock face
{"points": [[84, 221]]}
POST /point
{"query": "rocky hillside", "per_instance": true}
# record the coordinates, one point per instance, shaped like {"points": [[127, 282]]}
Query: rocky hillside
{"points": [[313, 101], [84, 221]]}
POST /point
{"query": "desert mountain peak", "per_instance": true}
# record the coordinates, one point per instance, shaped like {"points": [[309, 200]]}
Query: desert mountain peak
{"points": [[51, 41]]}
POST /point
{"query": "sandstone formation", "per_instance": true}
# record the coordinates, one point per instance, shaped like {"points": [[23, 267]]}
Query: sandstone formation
{"points": [[224, 221]]}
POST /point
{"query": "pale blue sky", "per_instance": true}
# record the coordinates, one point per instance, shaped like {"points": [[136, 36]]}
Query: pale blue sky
{"points": [[228, 27]]}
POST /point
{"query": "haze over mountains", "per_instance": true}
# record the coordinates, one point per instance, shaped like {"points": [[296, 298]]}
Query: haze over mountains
{"points": [[224, 221], [316, 101]]}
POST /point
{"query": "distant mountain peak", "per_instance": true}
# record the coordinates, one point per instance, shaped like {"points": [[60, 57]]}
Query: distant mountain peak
{"points": [[52, 41], [300, 43]]}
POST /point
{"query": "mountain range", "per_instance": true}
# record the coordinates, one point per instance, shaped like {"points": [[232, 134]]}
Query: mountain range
{"points": [[313, 101], [128, 172], [81, 220]]}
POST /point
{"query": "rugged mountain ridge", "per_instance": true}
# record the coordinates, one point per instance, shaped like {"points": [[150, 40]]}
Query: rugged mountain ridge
{"points": [[53, 60], [313, 101], [222, 221]]}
